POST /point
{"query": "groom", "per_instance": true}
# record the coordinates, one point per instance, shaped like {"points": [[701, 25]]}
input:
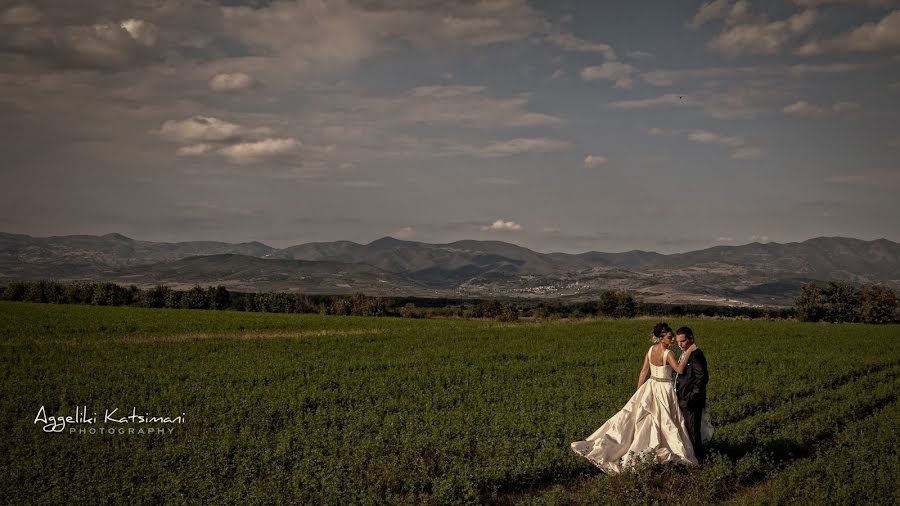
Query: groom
{"points": [[690, 386]]}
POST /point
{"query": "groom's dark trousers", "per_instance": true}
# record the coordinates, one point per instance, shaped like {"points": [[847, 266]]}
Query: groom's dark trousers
{"points": [[691, 388]]}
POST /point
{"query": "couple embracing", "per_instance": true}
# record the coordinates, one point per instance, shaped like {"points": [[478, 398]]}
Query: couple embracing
{"points": [[666, 417]]}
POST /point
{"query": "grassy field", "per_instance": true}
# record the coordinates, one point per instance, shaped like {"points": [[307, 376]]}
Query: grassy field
{"points": [[327, 410]]}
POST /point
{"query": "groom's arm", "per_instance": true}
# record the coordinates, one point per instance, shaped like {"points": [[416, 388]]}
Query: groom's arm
{"points": [[696, 383], [700, 378]]}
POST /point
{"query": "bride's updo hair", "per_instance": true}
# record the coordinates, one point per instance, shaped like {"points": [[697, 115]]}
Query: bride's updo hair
{"points": [[658, 331]]}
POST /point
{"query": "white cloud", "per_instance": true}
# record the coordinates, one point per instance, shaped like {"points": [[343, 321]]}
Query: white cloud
{"points": [[804, 108], [515, 146], [618, 72], [358, 183], [724, 239], [143, 32], [842, 107], [748, 153], [759, 238], [466, 106], [762, 37], [870, 178], [235, 81], [198, 129], [594, 161], [20, 15], [502, 226], [497, 181], [662, 100], [742, 151], [571, 43], [869, 3], [885, 34], [405, 233], [639, 55], [194, 150], [248, 152], [708, 12], [707, 137]]}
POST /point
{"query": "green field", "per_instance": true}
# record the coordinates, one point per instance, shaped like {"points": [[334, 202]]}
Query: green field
{"points": [[284, 408]]}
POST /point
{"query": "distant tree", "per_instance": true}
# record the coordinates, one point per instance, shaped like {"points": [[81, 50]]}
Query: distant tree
{"points": [[809, 306], [842, 304], [608, 304], [219, 298], [408, 310], [173, 299], [878, 304], [110, 294], [626, 305], [508, 313], [195, 298], [342, 306], [492, 308], [155, 297], [80, 292], [15, 291]]}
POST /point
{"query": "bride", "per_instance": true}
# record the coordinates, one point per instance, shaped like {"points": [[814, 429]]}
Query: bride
{"points": [[651, 422]]}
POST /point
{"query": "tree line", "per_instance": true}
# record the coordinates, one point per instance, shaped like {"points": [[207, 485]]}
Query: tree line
{"points": [[837, 302], [843, 302]]}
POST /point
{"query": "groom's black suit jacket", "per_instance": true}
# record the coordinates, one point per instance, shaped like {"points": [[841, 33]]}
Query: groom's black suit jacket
{"points": [[692, 383]]}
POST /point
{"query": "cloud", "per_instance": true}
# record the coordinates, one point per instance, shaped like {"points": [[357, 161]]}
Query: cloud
{"points": [[869, 37], [361, 184], [724, 239], [639, 55], [759, 238], [802, 69], [496, 181], [668, 99], [842, 107], [868, 3], [618, 72], [405, 233], [502, 226], [141, 31], [882, 178], [762, 37], [804, 108], [20, 15], [571, 43], [103, 46], [748, 153], [594, 161], [199, 128], [236, 81], [465, 106], [518, 146], [720, 9], [194, 150], [253, 151], [742, 151], [706, 137]]}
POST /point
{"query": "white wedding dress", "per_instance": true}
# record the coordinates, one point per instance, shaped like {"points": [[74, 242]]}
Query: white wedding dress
{"points": [[649, 424]]}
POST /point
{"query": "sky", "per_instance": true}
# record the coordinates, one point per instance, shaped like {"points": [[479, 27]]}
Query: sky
{"points": [[560, 126]]}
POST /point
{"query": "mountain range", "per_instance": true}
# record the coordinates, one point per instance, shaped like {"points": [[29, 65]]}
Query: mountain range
{"points": [[751, 274]]}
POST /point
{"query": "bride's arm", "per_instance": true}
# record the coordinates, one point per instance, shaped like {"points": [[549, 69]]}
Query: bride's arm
{"points": [[644, 370], [679, 368]]}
